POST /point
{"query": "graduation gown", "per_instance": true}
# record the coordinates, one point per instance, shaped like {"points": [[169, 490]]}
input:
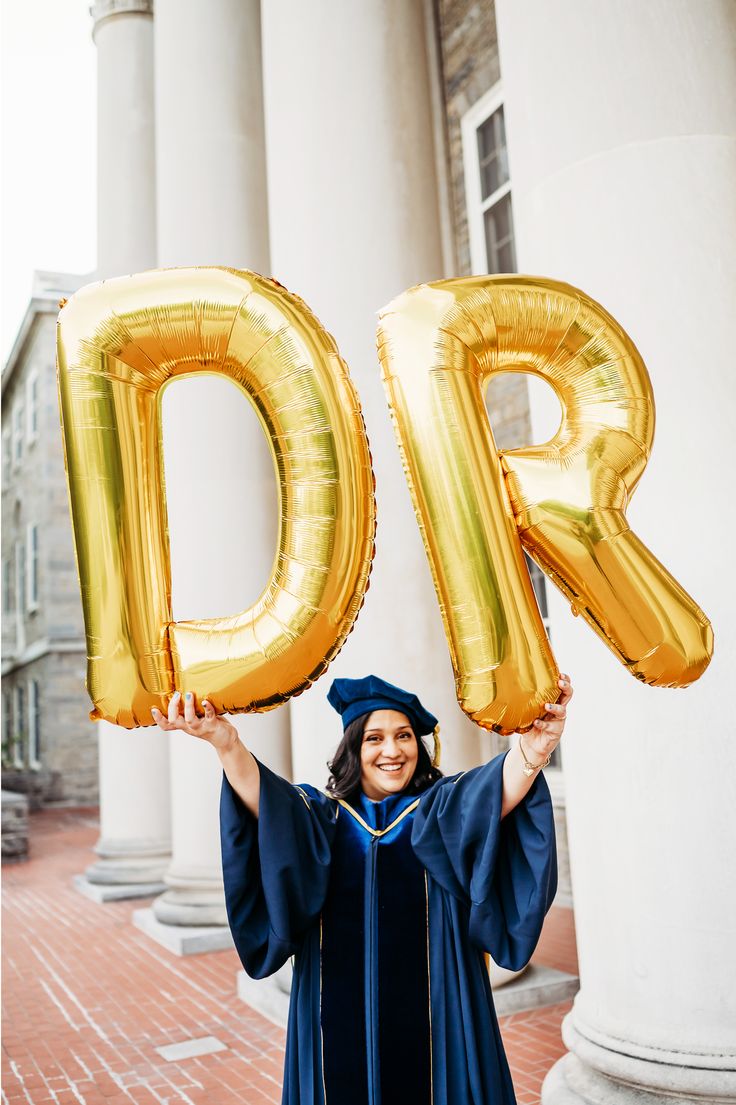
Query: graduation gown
{"points": [[388, 909]]}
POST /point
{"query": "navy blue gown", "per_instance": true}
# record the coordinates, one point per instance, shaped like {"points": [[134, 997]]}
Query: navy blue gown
{"points": [[388, 909]]}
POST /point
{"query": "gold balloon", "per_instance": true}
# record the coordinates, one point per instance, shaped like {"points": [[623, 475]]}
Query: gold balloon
{"points": [[439, 344], [504, 667], [119, 344]]}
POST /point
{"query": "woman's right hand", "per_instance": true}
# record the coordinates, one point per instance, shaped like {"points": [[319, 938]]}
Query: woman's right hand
{"points": [[213, 728]]}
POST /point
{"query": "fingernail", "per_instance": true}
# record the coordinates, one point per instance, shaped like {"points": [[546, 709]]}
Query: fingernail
{"points": [[189, 694], [154, 710], [548, 705], [177, 694]]}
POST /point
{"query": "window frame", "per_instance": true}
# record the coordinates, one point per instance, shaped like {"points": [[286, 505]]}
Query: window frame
{"points": [[17, 434], [19, 715], [34, 724], [8, 744], [21, 570], [32, 599], [475, 206], [32, 406], [9, 589], [7, 453]]}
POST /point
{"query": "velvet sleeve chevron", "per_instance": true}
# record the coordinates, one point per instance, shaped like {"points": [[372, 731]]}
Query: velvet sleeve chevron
{"points": [[505, 870], [276, 868]]}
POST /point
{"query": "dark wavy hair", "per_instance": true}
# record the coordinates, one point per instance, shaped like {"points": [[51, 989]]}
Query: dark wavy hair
{"points": [[344, 780]]}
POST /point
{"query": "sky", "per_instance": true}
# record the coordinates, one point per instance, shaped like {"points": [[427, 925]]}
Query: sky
{"points": [[48, 124]]}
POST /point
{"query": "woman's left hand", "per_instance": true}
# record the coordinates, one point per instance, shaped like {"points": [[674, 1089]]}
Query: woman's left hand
{"points": [[545, 735]]}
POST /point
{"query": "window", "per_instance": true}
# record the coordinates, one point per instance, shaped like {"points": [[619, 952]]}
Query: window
{"points": [[17, 434], [34, 724], [488, 186], [19, 735], [8, 588], [32, 412], [539, 583], [7, 728], [20, 576], [32, 569], [7, 448]]}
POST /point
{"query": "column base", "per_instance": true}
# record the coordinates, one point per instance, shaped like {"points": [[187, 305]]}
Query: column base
{"points": [[593, 1074], [127, 863], [183, 939], [115, 892], [191, 907]]}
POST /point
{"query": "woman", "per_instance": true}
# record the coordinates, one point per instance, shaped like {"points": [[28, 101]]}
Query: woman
{"points": [[388, 891]]}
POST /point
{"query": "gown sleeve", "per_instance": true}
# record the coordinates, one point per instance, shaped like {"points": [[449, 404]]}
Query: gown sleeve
{"points": [[504, 869], [275, 868]]}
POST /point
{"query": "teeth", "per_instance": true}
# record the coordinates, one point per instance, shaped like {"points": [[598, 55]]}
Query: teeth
{"points": [[390, 767]]}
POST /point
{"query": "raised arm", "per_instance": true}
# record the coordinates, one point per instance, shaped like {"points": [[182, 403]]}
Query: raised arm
{"points": [[240, 765], [276, 843], [534, 749]]}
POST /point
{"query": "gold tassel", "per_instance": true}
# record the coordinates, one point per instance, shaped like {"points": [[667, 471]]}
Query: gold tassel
{"points": [[437, 747]]}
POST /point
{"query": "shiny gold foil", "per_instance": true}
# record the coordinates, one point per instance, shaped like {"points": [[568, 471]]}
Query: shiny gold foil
{"points": [[439, 344], [119, 344]]}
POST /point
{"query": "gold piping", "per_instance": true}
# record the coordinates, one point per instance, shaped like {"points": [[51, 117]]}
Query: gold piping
{"points": [[321, 1033], [429, 993], [304, 798], [378, 832]]}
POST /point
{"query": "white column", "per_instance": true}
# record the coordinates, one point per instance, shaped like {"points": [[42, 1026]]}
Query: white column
{"points": [[126, 173], [621, 141], [354, 220], [220, 480], [135, 843]]}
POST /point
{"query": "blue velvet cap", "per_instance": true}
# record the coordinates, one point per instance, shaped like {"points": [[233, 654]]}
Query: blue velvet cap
{"points": [[353, 697]]}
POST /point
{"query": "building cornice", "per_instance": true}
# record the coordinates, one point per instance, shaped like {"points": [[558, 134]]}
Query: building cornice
{"points": [[44, 646], [48, 289]]}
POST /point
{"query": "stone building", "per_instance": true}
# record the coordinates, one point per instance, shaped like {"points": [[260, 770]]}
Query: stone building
{"points": [[49, 745]]}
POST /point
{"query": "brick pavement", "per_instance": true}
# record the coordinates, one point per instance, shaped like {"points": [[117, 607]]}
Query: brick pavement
{"points": [[87, 998]]}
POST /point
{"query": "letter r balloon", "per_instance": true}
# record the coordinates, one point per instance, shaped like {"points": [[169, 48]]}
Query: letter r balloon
{"points": [[439, 344], [119, 344]]}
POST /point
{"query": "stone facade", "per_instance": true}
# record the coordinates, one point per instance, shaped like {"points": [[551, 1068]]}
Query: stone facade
{"points": [[14, 827], [44, 652]]}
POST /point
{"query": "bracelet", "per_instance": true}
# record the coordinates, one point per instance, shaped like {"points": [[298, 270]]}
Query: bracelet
{"points": [[529, 768]]}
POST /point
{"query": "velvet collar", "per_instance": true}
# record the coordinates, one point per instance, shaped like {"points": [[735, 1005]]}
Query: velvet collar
{"points": [[380, 814]]}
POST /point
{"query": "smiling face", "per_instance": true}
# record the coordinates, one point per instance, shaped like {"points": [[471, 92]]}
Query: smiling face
{"points": [[388, 754]]}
